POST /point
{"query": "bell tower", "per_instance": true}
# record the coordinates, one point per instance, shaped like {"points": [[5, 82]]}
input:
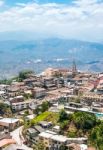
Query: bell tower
{"points": [[74, 68]]}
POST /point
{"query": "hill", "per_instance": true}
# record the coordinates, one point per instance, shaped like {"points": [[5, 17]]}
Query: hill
{"points": [[40, 54]]}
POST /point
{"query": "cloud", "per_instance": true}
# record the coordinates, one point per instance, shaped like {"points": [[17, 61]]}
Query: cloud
{"points": [[21, 4], [1, 3], [81, 20]]}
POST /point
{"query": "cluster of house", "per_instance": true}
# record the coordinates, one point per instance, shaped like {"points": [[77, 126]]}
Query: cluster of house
{"points": [[34, 87], [58, 86], [50, 85], [50, 137], [7, 124], [5, 140]]}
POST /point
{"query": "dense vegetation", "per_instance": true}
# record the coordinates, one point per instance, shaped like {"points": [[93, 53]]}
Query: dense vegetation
{"points": [[78, 124], [44, 107], [47, 116], [22, 75], [6, 81], [96, 136], [39, 146], [5, 110], [84, 121]]}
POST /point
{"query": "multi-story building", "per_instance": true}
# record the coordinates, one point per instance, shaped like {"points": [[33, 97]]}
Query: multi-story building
{"points": [[31, 135], [49, 83], [16, 99], [13, 91], [21, 105], [54, 141], [9, 123], [45, 138], [38, 92], [92, 97]]}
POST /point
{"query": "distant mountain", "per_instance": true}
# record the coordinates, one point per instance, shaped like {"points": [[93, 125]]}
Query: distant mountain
{"points": [[39, 54]]}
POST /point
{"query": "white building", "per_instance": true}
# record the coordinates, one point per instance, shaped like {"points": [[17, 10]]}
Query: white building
{"points": [[21, 105], [54, 141], [9, 123]]}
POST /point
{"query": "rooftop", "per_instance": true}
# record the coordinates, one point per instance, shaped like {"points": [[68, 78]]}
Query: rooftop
{"points": [[56, 127], [9, 120], [30, 116], [39, 89], [5, 142], [17, 97], [39, 128], [59, 138], [47, 134], [44, 123], [24, 102], [31, 130]]}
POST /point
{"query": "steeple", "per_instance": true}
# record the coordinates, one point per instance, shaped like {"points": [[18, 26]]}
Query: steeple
{"points": [[74, 68]]}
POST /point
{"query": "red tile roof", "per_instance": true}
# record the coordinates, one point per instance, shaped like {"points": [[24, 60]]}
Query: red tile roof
{"points": [[5, 142]]}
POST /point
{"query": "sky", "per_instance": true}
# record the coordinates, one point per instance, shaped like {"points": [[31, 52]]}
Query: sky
{"points": [[67, 19]]}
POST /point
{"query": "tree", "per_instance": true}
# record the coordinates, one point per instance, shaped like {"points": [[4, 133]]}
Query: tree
{"points": [[72, 134], [96, 137], [37, 110], [27, 124], [39, 146], [64, 124], [44, 106], [63, 116], [27, 96], [84, 120], [6, 81], [5, 109], [24, 74], [26, 112], [63, 147]]}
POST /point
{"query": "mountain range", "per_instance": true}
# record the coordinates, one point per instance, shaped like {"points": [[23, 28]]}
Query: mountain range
{"points": [[52, 52]]}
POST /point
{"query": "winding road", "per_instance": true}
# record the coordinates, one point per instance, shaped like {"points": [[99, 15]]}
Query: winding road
{"points": [[16, 136]]}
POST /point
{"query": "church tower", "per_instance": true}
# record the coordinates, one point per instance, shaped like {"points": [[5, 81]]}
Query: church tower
{"points": [[74, 68]]}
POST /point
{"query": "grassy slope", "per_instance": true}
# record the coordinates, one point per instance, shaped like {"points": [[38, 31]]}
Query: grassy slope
{"points": [[47, 116]]}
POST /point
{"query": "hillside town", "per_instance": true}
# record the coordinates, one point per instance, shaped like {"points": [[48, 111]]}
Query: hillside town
{"points": [[49, 111]]}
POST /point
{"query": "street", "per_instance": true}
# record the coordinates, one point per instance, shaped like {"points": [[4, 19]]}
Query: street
{"points": [[16, 136]]}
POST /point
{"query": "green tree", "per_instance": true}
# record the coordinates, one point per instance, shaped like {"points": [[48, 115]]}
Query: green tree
{"points": [[63, 147], [37, 110], [72, 134], [39, 146], [96, 137], [5, 109], [27, 96], [84, 120], [24, 74], [63, 116], [44, 106], [6, 81], [27, 124], [26, 112], [64, 124]]}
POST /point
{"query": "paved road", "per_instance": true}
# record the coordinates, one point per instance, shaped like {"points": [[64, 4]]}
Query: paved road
{"points": [[16, 136]]}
